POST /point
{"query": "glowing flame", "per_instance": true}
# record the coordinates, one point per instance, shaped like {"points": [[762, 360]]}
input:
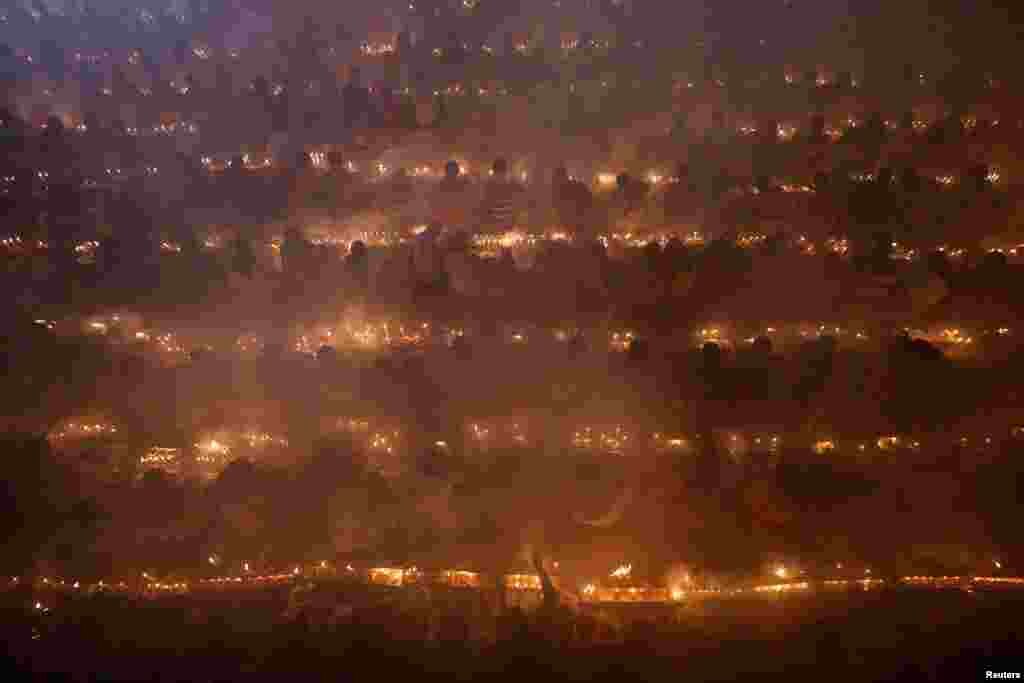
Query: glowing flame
{"points": [[523, 582], [782, 587], [622, 571], [825, 446]]}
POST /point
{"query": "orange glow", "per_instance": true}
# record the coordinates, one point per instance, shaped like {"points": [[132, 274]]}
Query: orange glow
{"points": [[622, 571]]}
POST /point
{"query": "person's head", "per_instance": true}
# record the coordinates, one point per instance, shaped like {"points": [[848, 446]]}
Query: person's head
{"points": [[357, 251], [54, 125], [451, 170], [500, 168], [459, 241]]}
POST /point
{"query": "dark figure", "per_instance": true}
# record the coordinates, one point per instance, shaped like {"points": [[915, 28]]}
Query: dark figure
{"points": [[501, 199], [630, 192], [355, 101], [550, 593], [452, 179], [572, 200], [461, 348], [451, 207], [358, 263], [243, 258], [294, 254], [577, 346], [681, 198]]}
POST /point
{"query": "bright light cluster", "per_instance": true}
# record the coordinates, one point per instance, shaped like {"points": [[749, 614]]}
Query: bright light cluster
{"points": [[785, 132], [748, 240], [377, 49], [838, 245], [159, 457], [782, 587], [87, 249], [824, 446], [212, 452], [381, 441], [523, 582], [622, 571], [620, 341], [84, 430], [954, 336], [463, 579], [490, 246], [886, 443], [318, 159], [392, 576], [665, 442], [711, 335], [614, 441], [480, 433], [592, 593]]}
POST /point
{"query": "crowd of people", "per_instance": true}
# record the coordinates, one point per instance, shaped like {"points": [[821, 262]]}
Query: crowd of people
{"points": [[415, 294], [874, 637]]}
